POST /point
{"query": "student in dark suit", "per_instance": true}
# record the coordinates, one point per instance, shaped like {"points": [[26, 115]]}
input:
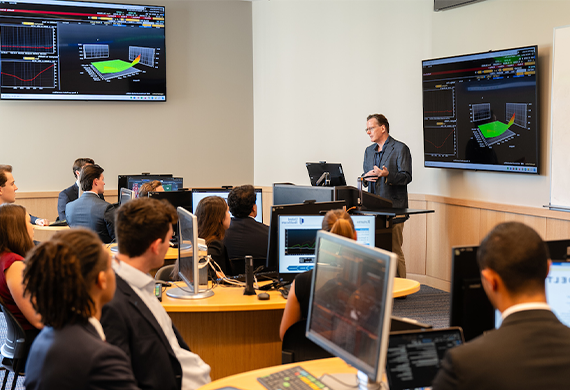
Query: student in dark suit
{"points": [[388, 171], [70, 279], [531, 349], [134, 320], [245, 236], [72, 193], [89, 210]]}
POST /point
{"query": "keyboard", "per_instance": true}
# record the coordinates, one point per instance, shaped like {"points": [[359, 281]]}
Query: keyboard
{"points": [[295, 378], [264, 275]]}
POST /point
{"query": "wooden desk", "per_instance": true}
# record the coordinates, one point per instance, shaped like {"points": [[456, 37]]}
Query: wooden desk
{"points": [[231, 332], [235, 333], [44, 233], [248, 380]]}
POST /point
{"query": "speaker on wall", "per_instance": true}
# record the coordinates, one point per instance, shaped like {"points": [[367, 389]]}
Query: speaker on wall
{"points": [[442, 5]]}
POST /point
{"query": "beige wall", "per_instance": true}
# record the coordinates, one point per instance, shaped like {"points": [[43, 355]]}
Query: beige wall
{"points": [[204, 132], [320, 67]]}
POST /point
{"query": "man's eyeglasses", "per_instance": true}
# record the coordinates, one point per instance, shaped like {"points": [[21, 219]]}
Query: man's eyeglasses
{"points": [[370, 129]]}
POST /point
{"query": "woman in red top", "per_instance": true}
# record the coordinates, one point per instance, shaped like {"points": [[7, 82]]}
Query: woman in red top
{"points": [[16, 239]]}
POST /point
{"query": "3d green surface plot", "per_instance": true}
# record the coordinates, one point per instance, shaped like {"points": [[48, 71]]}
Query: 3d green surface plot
{"points": [[114, 66], [496, 131]]}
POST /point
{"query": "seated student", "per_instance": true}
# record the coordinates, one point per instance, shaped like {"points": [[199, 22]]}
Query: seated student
{"points": [[531, 349], [16, 235], [8, 190], [70, 279], [214, 219], [134, 320], [149, 186], [72, 193], [245, 236], [297, 307], [90, 210]]}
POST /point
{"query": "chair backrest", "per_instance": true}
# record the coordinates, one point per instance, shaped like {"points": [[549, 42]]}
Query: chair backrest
{"points": [[14, 348], [297, 348], [238, 265], [164, 273]]}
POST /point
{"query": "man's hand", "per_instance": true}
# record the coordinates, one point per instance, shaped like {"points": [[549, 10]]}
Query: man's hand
{"points": [[42, 222], [376, 173]]}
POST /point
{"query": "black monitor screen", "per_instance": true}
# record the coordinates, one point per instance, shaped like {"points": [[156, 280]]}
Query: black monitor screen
{"points": [[168, 183], [72, 50], [480, 111]]}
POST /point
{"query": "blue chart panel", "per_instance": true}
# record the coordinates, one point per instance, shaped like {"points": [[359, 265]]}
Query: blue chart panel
{"points": [[27, 39], [28, 74]]}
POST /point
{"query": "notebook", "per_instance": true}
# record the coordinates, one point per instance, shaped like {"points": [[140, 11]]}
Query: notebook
{"points": [[414, 356]]}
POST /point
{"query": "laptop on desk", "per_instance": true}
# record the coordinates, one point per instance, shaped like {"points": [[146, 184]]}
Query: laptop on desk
{"points": [[414, 356]]}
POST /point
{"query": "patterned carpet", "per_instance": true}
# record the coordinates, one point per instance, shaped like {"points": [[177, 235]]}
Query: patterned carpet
{"points": [[429, 305]]}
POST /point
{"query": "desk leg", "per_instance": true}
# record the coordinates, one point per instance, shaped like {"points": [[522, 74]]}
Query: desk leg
{"points": [[232, 342]]}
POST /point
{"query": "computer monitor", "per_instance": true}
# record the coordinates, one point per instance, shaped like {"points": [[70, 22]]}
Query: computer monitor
{"points": [[351, 302], [200, 193], [297, 237], [126, 195], [188, 258], [180, 198], [292, 194], [326, 174], [134, 182], [314, 208], [469, 306], [557, 297]]}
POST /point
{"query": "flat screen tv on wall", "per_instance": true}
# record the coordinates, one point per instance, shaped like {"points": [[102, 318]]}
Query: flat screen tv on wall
{"points": [[480, 111], [72, 50]]}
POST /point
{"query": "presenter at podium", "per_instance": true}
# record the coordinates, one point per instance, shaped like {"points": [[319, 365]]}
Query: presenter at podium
{"points": [[387, 171]]}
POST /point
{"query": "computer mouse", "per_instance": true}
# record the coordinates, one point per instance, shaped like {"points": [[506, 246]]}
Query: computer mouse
{"points": [[263, 296]]}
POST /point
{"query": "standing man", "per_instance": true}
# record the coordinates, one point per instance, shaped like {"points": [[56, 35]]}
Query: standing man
{"points": [[134, 320], [388, 170], [90, 210], [72, 193], [531, 349], [8, 190]]}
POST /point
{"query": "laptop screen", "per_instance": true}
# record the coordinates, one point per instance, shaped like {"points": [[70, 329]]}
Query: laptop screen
{"points": [[414, 356]]}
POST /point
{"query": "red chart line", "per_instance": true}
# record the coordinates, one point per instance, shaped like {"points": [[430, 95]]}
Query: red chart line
{"points": [[444, 141], [32, 79], [29, 47]]}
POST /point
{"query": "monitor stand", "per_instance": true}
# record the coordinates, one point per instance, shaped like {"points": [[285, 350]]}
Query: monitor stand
{"points": [[359, 381], [185, 293]]}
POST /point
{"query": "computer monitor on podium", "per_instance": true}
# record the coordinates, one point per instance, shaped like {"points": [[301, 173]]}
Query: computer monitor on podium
{"points": [[351, 303], [188, 259]]}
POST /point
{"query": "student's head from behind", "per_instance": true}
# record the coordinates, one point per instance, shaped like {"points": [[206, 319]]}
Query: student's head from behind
{"points": [[213, 218], [79, 164], [149, 186], [143, 223], [241, 201], [69, 278], [92, 179], [16, 230], [8, 186], [518, 256], [339, 222]]}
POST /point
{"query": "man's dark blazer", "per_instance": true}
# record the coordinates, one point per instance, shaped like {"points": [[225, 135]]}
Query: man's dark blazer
{"points": [[74, 358], [531, 350], [92, 212], [130, 325], [68, 195], [397, 159], [246, 237]]}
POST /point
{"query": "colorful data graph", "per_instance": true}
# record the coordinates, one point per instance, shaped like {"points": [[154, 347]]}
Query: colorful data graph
{"points": [[114, 66], [495, 129], [440, 140], [28, 74]]}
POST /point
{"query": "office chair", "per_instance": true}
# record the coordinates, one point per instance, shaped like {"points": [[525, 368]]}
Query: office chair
{"points": [[297, 348], [14, 351], [164, 273]]}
